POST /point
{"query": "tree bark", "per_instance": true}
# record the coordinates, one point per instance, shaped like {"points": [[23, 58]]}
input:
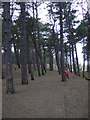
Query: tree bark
{"points": [[8, 53], [71, 39], [15, 49], [34, 61], [72, 42], [50, 57], [23, 49], [77, 61], [74, 67], [62, 46], [56, 52], [40, 52], [66, 53], [44, 56], [70, 59], [29, 62], [35, 44], [88, 49], [83, 60]]}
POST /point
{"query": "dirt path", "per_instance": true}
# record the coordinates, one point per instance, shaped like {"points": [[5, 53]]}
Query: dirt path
{"points": [[48, 97]]}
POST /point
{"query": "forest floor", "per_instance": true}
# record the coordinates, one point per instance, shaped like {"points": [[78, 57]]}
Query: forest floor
{"points": [[47, 97]]}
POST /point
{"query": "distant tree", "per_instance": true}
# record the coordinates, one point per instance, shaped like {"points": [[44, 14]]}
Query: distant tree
{"points": [[15, 49], [39, 41], [69, 18], [34, 41]]}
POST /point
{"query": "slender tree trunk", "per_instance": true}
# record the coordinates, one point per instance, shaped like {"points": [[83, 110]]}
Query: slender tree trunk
{"points": [[35, 44], [29, 62], [83, 43], [50, 58], [44, 56], [74, 67], [23, 48], [8, 53], [62, 46], [66, 53], [40, 52], [56, 52], [77, 60], [88, 49], [15, 49], [71, 37], [17, 56], [72, 42], [34, 61], [70, 59], [83, 60]]}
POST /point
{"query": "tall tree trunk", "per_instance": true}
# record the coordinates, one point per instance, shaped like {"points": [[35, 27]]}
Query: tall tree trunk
{"points": [[34, 60], [50, 58], [15, 49], [83, 60], [88, 49], [71, 40], [40, 52], [29, 62], [56, 52], [23, 49], [44, 56], [74, 67], [8, 53], [70, 59], [17, 56], [77, 60], [72, 45], [62, 46], [35, 44], [66, 53], [83, 43]]}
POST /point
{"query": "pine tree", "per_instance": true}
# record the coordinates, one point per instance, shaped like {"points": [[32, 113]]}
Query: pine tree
{"points": [[8, 53], [23, 49], [61, 41]]}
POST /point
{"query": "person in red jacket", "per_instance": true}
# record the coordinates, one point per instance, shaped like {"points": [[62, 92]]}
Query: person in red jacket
{"points": [[67, 74]]}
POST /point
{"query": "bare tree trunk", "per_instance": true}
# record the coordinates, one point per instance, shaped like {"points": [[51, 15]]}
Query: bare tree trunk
{"points": [[15, 49], [83, 60], [56, 52], [71, 37], [44, 56], [8, 53], [77, 60], [29, 61], [35, 44], [72, 42], [74, 67], [34, 61], [17, 56], [88, 49], [66, 53], [23, 49], [50, 58], [40, 52], [62, 46], [70, 59]]}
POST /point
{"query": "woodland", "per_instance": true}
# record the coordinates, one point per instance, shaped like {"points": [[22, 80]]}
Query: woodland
{"points": [[33, 51]]}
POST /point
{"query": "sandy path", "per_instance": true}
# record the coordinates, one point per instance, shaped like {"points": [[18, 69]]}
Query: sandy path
{"points": [[48, 97]]}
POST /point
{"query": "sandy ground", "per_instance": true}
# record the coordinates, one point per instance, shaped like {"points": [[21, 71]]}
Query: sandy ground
{"points": [[47, 97]]}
